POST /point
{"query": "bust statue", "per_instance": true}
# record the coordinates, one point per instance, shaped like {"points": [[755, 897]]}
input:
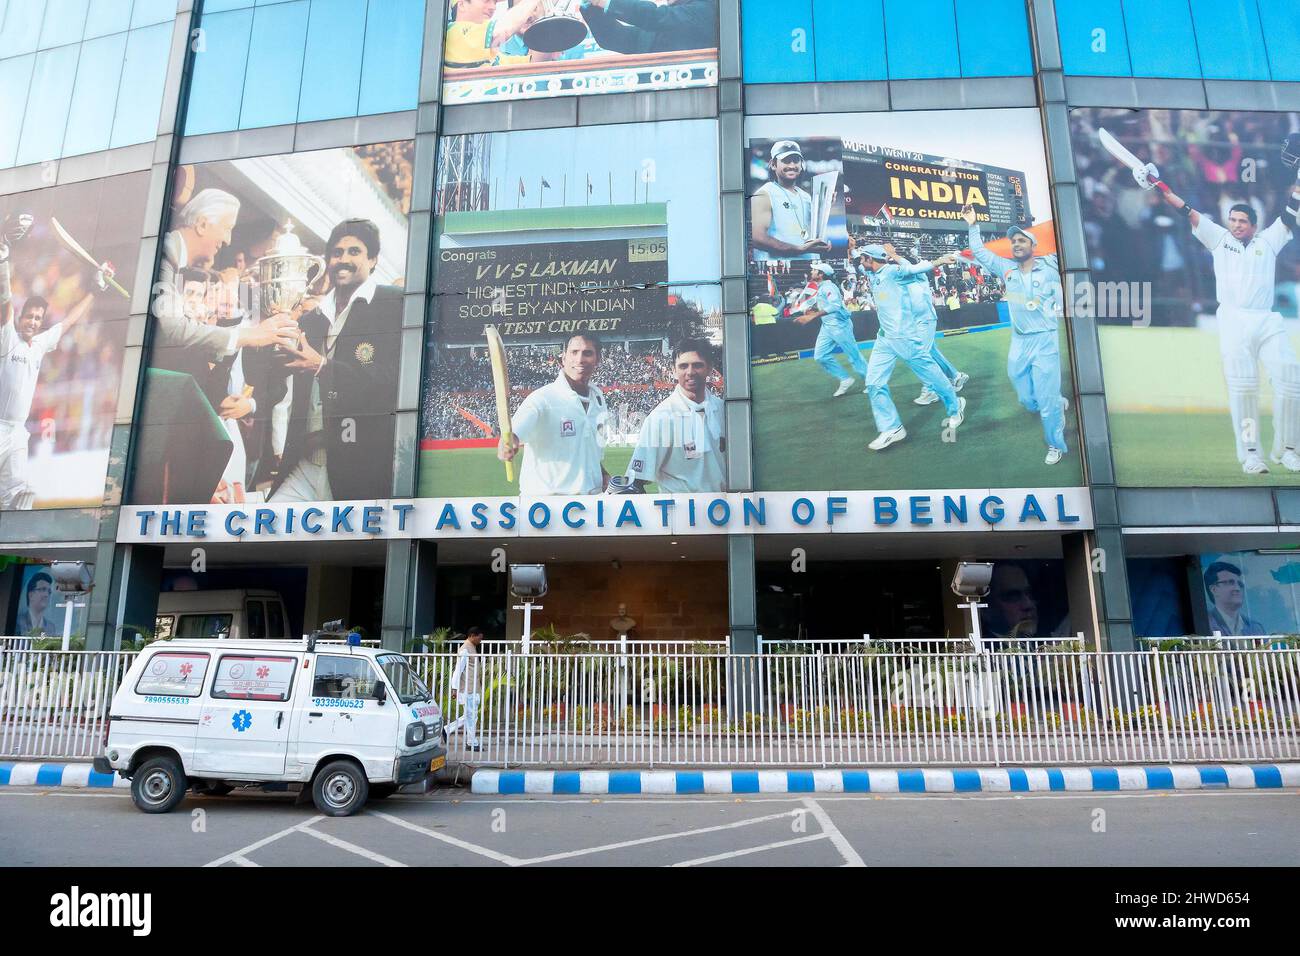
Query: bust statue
{"points": [[622, 625]]}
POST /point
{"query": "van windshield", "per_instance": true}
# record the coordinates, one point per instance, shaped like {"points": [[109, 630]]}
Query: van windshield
{"points": [[406, 685]]}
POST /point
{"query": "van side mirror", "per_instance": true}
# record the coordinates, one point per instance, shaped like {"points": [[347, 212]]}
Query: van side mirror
{"points": [[381, 692]]}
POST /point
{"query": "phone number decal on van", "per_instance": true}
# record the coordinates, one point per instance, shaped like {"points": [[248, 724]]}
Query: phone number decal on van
{"points": [[166, 700], [338, 702]]}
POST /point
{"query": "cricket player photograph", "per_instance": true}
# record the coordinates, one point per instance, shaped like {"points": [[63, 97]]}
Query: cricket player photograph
{"points": [[1035, 301], [781, 211], [967, 320], [1200, 208], [62, 324], [562, 428], [682, 445]]}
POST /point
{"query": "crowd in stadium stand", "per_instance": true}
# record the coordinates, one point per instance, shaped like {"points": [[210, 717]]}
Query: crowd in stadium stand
{"points": [[634, 376], [1213, 161], [391, 164]]}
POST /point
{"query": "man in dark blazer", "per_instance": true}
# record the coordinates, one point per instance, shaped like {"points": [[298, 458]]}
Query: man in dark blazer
{"points": [[640, 26], [345, 370]]}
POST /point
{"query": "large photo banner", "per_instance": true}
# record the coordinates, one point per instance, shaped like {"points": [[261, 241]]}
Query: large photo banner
{"points": [[67, 254], [1248, 594], [1192, 215], [906, 305], [529, 49], [277, 317], [577, 334]]}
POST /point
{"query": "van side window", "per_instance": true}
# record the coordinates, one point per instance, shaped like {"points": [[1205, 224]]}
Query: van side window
{"points": [[173, 674], [253, 677], [256, 620], [346, 677], [204, 625], [275, 620]]}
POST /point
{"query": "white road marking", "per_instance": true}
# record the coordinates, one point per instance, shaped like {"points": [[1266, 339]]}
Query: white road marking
{"points": [[244, 861], [244, 851], [833, 833], [352, 848], [569, 854], [699, 861], [453, 841]]}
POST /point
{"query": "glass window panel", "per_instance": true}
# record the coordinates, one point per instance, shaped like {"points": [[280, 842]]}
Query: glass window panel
{"points": [[778, 41], [274, 74], [47, 105], [1281, 24], [139, 102], [148, 12], [64, 22], [390, 70], [331, 75], [1161, 40], [1093, 41], [1230, 40], [21, 28], [219, 73], [850, 39], [94, 97], [15, 79], [107, 16], [993, 38], [922, 39], [216, 6]]}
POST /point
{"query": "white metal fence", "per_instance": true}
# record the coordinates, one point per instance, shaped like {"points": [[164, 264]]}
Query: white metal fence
{"points": [[710, 708]]}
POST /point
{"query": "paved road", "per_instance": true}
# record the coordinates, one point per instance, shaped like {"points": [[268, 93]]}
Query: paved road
{"points": [[453, 827]]}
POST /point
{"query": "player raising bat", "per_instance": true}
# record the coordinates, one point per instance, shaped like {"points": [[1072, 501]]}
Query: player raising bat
{"points": [[1250, 331], [23, 346], [562, 427]]}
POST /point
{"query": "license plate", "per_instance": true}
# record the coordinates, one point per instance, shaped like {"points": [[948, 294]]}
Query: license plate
{"points": [[437, 763]]}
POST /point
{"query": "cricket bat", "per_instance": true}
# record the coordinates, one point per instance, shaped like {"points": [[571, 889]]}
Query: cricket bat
{"points": [[501, 385], [1116, 149], [75, 248]]}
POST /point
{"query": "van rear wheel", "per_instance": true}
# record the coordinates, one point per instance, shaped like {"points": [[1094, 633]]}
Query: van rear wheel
{"points": [[340, 789], [158, 785]]}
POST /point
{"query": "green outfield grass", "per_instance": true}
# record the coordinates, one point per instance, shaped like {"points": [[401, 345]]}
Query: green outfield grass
{"points": [[804, 439], [1168, 407], [1171, 449], [463, 472]]}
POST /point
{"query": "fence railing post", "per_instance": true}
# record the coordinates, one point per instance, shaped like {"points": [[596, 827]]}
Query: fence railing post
{"points": [[1160, 705]]}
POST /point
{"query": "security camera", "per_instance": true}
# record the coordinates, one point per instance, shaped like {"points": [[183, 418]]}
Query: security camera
{"points": [[528, 581], [72, 577], [972, 578]]}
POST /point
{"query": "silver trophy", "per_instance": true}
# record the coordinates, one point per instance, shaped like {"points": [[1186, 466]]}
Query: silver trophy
{"points": [[285, 273]]}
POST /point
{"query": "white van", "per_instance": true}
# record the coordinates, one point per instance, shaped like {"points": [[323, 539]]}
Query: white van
{"points": [[237, 614], [348, 722]]}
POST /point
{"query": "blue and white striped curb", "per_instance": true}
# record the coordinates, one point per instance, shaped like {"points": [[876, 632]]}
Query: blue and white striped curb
{"points": [[56, 775], [1002, 780]]}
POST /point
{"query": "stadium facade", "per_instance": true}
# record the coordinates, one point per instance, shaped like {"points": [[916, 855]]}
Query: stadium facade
{"points": [[320, 212]]}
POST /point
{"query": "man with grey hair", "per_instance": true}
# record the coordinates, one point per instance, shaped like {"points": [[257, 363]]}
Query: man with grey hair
{"points": [[203, 227]]}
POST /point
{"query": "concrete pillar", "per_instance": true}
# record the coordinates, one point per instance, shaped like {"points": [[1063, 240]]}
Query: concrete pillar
{"points": [[125, 595], [1099, 555]]}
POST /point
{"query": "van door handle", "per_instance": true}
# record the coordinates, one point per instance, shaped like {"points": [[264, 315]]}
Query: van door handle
{"points": [[315, 713], [279, 719]]}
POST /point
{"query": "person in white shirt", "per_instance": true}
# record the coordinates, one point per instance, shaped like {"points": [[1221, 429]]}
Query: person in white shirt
{"points": [[682, 442], [23, 347], [467, 688], [1250, 330], [562, 428]]}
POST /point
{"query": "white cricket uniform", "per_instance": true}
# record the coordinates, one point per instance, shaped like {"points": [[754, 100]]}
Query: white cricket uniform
{"points": [[681, 445], [1251, 332], [18, 374], [564, 437], [791, 220]]}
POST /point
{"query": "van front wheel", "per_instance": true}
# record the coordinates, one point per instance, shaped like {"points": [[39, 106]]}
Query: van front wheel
{"points": [[340, 789], [158, 785]]}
